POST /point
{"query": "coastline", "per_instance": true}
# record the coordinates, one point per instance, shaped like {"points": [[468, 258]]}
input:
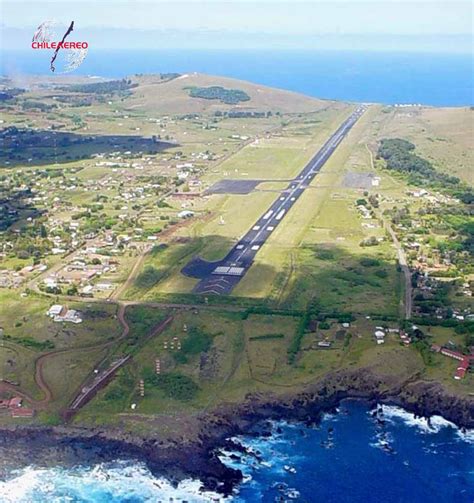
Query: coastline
{"points": [[197, 457]]}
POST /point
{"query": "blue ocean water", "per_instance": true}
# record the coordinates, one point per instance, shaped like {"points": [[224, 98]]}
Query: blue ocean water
{"points": [[384, 77], [349, 457]]}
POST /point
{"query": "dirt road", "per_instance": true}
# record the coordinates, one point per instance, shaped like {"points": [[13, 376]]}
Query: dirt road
{"points": [[42, 359]]}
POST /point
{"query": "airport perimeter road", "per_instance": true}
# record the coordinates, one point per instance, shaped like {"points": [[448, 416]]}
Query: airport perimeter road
{"points": [[228, 272]]}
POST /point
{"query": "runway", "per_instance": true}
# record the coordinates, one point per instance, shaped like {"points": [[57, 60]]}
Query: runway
{"points": [[219, 278]]}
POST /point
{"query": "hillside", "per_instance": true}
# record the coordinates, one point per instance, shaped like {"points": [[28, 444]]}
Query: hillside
{"points": [[173, 96], [442, 135]]}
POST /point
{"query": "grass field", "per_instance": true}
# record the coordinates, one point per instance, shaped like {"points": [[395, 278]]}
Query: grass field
{"points": [[65, 372], [26, 319], [174, 98], [244, 355], [28, 333], [441, 135]]}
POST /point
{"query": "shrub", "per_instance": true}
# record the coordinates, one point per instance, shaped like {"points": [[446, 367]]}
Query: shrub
{"points": [[196, 342], [266, 337], [174, 385], [369, 262], [324, 254], [228, 96], [148, 277], [295, 344]]}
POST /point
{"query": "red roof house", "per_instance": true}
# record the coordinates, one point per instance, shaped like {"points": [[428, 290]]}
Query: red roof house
{"points": [[15, 402], [462, 369], [452, 354], [22, 412]]}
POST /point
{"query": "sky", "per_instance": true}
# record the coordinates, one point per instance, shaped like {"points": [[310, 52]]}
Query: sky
{"points": [[264, 23]]}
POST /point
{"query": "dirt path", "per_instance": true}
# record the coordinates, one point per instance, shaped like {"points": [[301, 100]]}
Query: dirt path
{"points": [[408, 298], [407, 301], [131, 277], [41, 360]]}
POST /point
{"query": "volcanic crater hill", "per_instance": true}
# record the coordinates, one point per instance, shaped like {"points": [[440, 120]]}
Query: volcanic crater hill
{"points": [[163, 96]]}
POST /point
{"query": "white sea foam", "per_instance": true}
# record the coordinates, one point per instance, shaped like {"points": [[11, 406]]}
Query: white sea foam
{"points": [[103, 483], [466, 436], [434, 425], [329, 416]]}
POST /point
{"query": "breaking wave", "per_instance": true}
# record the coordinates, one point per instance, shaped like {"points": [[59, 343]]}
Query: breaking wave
{"points": [[432, 425], [103, 483]]}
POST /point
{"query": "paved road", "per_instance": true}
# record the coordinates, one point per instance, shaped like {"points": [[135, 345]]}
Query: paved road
{"points": [[220, 278]]}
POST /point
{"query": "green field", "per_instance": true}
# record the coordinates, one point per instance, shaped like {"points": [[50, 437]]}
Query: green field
{"points": [[103, 218]]}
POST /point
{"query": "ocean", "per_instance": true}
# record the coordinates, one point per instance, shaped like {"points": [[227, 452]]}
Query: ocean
{"points": [[382, 77], [351, 456]]}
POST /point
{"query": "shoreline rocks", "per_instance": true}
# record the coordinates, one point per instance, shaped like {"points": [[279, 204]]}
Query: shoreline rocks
{"points": [[197, 456]]}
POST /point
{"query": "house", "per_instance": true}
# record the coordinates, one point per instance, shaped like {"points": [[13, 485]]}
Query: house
{"points": [[87, 290], [71, 315], [379, 334], [61, 313], [452, 354], [55, 310], [324, 344], [405, 339], [22, 412], [465, 360], [185, 214], [462, 368], [14, 405], [104, 286], [15, 402], [50, 283]]}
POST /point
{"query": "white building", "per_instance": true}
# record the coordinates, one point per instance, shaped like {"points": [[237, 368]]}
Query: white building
{"points": [[55, 310]]}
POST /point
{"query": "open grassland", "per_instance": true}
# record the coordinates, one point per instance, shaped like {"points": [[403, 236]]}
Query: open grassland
{"points": [[441, 135], [162, 265], [17, 366], [227, 355], [65, 372], [174, 97], [24, 320], [282, 155]]}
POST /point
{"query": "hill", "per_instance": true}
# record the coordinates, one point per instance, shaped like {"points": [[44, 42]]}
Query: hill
{"points": [[442, 135], [173, 96]]}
